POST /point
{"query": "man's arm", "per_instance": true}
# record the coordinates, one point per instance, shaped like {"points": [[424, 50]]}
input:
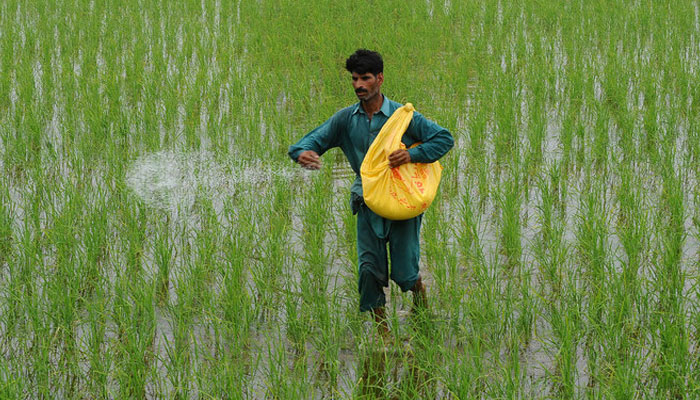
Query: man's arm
{"points": [[309, 148], [436, 140]]}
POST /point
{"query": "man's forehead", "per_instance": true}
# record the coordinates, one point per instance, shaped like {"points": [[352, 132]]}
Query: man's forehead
{"points": [[366, 74]]}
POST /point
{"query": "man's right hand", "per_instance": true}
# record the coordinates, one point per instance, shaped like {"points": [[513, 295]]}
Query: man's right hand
{"points": [[309, 160]]}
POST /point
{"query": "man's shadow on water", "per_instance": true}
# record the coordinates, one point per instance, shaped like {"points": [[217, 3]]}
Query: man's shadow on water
{"points": [[398, 368]]}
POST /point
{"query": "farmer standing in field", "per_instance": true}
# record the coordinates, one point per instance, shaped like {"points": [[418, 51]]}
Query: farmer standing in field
{"points": [[353, 129]]}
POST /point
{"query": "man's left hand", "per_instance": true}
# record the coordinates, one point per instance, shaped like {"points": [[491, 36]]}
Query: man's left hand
{"points": [[399, 157]]}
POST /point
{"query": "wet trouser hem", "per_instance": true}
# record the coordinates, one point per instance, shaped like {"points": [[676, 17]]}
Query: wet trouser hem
{"points": [[408, 285]]}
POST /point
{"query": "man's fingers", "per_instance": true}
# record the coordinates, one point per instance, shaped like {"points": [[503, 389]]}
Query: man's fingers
{"points": [[398, 158], [312, 165], [309, 160]]}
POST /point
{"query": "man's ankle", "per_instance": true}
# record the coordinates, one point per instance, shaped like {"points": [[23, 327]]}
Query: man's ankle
{"points": [[418, 286], [380, 318], [420, 298]]}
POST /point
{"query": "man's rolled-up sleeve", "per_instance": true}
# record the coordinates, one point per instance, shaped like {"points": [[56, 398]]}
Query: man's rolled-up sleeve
{"points": [[436, 140]]}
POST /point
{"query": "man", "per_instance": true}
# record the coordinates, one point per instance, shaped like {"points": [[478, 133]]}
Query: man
{"points": [[353, 129]]}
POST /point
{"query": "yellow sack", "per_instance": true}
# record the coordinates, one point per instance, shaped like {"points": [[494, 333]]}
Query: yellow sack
{"points": [[403, 192]]}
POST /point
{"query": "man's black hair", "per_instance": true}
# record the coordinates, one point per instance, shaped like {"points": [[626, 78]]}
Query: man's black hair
{"points": [[363, 61]]}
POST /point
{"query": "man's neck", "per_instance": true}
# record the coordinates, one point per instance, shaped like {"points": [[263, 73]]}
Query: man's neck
{"points": [[373, 106]]}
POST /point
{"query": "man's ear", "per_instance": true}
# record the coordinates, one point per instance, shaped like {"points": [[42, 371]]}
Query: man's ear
{"points": [[380, 77]]}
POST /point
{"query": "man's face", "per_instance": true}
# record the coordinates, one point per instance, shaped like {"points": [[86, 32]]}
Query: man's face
{"points": [[367, 85]]}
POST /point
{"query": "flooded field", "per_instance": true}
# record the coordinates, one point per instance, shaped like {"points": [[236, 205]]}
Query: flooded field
{"points": [[157, 242]]}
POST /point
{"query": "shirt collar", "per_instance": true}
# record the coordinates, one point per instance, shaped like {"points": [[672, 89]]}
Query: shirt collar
{"points": [[385, 108]]}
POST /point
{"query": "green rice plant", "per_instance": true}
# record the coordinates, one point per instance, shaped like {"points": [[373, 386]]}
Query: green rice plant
{"points": [[468, 236], [132, 225], [96, 247], [570, 118], [651, 140], [7, 215], [133, 314], [527, 307], [692, 143], [592, 248], [11, 319], [163, 258], [509, 202], [614, 85], [314, 321], [328, 343], [415, 376], [506, 142], [179, 348], [581, 137], [22, 287], [95, 344], [559, 181], [63, 280], [536, 125], [482, 307], [39, 348], [670, 361], [315, 220], [550, 251], [11, 386], [276, 255], [622, 336], [236, 310], [433, 248], [633, 232], [477, 159], [600, 145], [283, 381], [455, 289], [509, 382], [467, 374], [207, 242], [224, 379], [372, 375], [695, 232], [563, 318], [347, 246], [546, 217]]}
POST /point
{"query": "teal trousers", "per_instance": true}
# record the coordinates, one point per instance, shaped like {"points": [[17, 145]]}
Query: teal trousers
{"points": [[374, 233]]}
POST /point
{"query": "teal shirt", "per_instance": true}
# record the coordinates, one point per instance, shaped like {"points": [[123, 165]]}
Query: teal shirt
{"points": [[353, 132]]}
